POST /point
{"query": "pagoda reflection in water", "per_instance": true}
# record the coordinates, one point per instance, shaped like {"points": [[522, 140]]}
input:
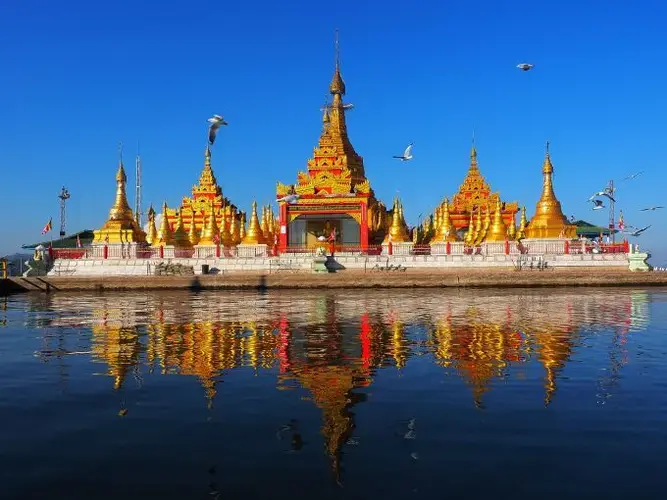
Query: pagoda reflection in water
{"points": [[334, 346]]}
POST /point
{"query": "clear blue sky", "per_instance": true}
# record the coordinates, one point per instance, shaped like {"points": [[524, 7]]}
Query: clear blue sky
{"points": [[78, 77]]}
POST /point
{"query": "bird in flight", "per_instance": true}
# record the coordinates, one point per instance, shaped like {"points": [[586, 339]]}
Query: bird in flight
{"points": [[215, 122], [637, 232], [289, 199], [602, 193], [407, 154], [525, 66], [597, 204], [632, 176], [650, 208]]}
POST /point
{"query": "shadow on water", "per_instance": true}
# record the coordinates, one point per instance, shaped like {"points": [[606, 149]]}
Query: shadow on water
{"points": [[261, 287], [195, 285]]}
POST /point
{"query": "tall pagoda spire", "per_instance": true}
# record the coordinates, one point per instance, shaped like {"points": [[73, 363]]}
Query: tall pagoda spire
{"points": [[121, 227], [549, 221], [121, 208], [334, 141]]}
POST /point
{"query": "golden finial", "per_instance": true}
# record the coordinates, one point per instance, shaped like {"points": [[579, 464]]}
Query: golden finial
{"points": [[254, 235], [211, 231], [164, 235], [337, 86], [498, 229], [193, 234], [180, 236]]}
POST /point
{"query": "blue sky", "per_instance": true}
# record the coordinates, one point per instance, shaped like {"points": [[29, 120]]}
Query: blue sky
{"points": [[78, 77]]}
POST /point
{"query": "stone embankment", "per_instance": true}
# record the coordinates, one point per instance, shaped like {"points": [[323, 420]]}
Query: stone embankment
{"points": [[427, 278]]}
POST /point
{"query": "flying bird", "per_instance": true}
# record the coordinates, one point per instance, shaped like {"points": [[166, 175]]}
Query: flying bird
{"points": [[215, 122], [289, 199], [525, 66], [632, 176], [407, 154], [650, 208], [637, 232], [597, 204], [602, 193]]}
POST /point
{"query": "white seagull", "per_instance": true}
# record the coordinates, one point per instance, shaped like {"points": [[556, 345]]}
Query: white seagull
{"points": [[597, 204], [650, 208], [407, 154], [289, 199], [632, 176], [602, 193], [637, 232], [215, 122], [525, 66]]}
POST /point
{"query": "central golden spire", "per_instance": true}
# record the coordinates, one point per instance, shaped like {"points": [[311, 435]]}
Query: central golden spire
{"points": [[334, 141]]}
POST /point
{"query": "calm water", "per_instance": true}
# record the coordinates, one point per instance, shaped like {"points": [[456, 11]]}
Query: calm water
{"points": [[383, 394]]}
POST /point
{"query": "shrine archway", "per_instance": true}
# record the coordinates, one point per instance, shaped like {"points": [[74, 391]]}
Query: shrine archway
{"points": [[304, 230]]}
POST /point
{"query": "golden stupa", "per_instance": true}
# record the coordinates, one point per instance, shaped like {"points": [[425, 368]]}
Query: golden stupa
{"points": [[254, 235], [398, 231], [549, 221], [121, 226], [498, 229], [165, 235]]}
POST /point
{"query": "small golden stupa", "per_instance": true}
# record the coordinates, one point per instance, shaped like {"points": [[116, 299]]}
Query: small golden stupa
{"points": [[151, 235], [210, 232], [549, 221], [397, 231], [498, 229], [180, 236], [165, 236], [121, 226], [445, 228], [254, 235]]}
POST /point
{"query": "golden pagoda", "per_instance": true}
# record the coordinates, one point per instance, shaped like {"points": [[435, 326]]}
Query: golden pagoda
{"points": [[445, 230], [193, 233], [334, 193], [498, 230], [151, 235], [180, 236], [397, 231], [549, 221], [210, 232], [523, 223], [165, 236], [254, 235], [206, 196], [121, 227], [475, 193]]}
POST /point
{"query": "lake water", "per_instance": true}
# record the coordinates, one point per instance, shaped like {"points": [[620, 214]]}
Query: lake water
{"points": [[537, 393]]}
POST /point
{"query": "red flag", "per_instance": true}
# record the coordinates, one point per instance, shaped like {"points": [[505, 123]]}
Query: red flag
{"points": [[48, 227]]}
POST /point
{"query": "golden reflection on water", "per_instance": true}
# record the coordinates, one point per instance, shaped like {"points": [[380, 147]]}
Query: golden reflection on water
{"points": [[333, 343]]}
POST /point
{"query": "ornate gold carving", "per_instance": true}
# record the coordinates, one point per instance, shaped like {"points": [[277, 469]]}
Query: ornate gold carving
{"points": [[283, 189]]}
